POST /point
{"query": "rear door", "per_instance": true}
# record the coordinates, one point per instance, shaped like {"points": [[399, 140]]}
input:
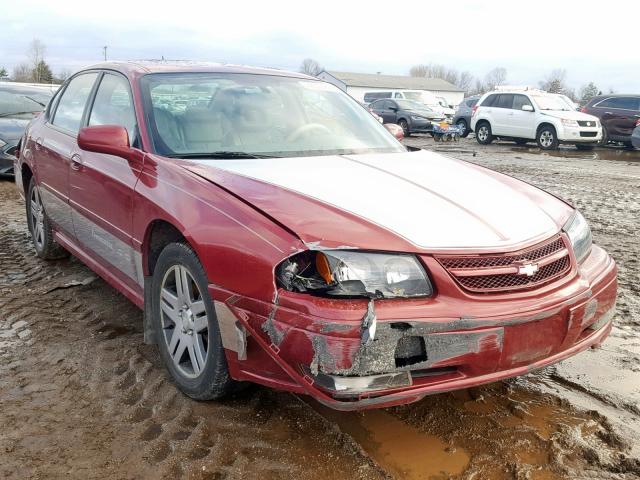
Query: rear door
{"points": [[101, 185], [55, 144], [502, 114]]}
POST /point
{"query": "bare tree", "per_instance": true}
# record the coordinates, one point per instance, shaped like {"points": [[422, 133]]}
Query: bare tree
{"points": [[22, 73], [62, 75], [496, 77], [310, 67], [432, 70], [35, 54], [3, 73], [464, 81], [555, 81]]}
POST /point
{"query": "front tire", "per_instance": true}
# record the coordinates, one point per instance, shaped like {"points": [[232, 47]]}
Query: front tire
{"points": [[405, 127], [465, 128], [188, 335], [483, 133], [547, 138], [40, 226]]}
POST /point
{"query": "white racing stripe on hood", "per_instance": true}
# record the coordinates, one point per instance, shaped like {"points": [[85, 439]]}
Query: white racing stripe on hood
{"points": [[430, 200]]}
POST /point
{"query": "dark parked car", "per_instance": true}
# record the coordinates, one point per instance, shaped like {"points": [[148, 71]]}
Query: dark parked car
{"points": [[618, 115], [18, 105], [412, 116], [635, 138], [462, 117]]}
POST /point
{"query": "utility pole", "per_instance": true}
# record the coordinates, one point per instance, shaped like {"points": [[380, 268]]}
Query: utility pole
{"points": [[104, 51]]}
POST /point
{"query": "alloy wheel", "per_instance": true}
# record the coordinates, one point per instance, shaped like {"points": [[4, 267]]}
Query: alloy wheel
{"points": [[184, 321], [483, 133], [37, 218], [546, 139]]}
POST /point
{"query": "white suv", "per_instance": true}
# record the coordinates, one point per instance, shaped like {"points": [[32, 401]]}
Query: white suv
{"points": [[526, 115]]}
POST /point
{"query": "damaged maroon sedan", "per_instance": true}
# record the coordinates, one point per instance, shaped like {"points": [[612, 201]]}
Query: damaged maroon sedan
{"points": [[274, 232]]}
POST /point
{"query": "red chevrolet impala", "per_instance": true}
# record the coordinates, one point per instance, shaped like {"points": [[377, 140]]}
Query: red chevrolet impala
{"points": [[274, 232]]}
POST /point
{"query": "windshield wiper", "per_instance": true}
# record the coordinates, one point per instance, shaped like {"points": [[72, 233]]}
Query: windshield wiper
{"points": [[11, 114], [34, 100], [219, 154]]}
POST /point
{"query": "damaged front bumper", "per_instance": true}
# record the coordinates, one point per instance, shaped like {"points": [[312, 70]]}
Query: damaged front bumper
{"points": [[316, 346]]}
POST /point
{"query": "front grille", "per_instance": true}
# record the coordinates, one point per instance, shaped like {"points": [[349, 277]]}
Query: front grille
{"points": [[588, 134], [587, 123], [489, 273]]}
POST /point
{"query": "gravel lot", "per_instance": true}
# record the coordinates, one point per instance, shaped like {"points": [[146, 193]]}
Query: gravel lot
{"points": [[82, 397]]}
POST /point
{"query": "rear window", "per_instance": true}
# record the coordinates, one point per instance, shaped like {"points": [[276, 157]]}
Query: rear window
{"points": [[472, 103]]}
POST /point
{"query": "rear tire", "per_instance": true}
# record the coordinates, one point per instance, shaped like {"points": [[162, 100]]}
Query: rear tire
{"points": [[547, 138], [40, 226], [405, 127], [465, 128], [483, 133], [186, 326]]}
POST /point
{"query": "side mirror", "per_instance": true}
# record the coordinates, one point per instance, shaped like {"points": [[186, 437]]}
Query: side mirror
{"points": [[109, 139], [395, 130], [527, 108]]}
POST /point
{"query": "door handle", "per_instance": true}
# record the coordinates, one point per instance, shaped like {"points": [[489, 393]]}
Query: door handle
{"points": [[76, 162], [39, 142]]}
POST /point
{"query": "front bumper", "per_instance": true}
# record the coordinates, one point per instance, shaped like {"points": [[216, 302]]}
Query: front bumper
{"points": [[313, 346], [580, 134]]}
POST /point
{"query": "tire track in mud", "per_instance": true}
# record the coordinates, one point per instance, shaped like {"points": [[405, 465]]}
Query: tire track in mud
{"points": [[82, 397]]}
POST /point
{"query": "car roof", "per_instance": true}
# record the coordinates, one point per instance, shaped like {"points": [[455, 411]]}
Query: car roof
{"points": [[139, 68]]}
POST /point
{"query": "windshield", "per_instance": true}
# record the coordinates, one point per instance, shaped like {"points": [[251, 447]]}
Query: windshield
{"points": [[257, 115], [550, 102], [22, 104], [411, 105]]}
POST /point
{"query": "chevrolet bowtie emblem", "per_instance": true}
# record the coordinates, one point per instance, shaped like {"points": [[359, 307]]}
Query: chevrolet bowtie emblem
{"points": [[528, 269]]}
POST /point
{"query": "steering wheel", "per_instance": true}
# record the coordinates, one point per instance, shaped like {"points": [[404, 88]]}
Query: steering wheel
{"points": [[305, 129]]}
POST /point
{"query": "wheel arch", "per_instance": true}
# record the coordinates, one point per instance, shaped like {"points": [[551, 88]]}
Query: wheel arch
{"points": [[158, 234], [546, 124], [26, 175]]}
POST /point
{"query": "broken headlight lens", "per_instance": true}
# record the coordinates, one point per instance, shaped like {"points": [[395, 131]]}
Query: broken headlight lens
{"points": [[579, 233], [346, 273]]}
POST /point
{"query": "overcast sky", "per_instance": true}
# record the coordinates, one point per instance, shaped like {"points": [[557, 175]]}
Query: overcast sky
{"points": [[593, 41]]}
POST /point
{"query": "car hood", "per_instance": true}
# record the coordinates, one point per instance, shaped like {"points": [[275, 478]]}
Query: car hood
{"points": [[413, 201], [570, 114], [11, 129], [425, 113]]}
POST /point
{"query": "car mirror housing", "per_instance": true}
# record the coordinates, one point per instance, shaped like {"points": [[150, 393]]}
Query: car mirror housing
{"points": [[527, 108], [109, 139]]}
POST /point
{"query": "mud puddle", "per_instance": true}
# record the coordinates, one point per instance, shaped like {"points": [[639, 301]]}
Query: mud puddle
{"points": [[401, 450], [500, 431]]}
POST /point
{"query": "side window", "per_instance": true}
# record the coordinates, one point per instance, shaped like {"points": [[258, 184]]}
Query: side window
{"points": [[519, 101], [378, 105], [113, 105], [397, 95], [626, 103], [68, 114], [505, 100], [490, 101]]}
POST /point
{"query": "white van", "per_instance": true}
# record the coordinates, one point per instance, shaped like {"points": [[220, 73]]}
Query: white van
{"points": [[422, 96]]}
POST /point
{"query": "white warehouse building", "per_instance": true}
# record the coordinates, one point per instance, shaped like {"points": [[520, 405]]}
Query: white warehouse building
{"points": [[357, 84]]}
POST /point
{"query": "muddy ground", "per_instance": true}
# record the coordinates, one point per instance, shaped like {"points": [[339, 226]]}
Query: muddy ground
{"points": [[81, 397]]}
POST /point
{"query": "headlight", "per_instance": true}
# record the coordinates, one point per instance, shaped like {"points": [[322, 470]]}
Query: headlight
{"points": [[579, 233], [417, 117], [345, 273], [569, 123]]}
